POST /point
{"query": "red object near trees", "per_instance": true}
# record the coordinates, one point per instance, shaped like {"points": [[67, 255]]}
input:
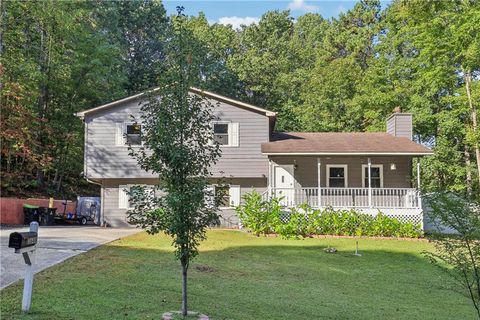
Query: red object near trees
{"points": [[11, 209]]}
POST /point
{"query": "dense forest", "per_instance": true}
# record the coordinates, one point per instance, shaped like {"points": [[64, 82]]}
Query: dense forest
{"points": [[341, 74]]}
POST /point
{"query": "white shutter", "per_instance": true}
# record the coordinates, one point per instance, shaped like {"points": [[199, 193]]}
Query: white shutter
{"points": [[120, 134], [210, 140], [233, 134], [234, 193], [210, 199], [123, 197], [150, 193]]}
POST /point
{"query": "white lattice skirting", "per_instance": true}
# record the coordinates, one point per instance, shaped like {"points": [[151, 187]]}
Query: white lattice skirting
{"points": [[402, 214]]}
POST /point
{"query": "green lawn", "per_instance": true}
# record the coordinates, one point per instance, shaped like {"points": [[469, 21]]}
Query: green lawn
{"points": [[239, 276]]}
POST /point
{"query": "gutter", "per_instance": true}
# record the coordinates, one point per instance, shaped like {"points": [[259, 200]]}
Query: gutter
{"points": [[348, 153], [92, 181]]}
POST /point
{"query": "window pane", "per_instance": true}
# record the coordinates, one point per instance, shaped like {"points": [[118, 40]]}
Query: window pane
{"points": [[134, 139], [134, 134], [220, 128], [375, 172], [221, 139], [375, 183], [225, 196], [134, 129], [134, 190], [337, 172], [336, 183]]}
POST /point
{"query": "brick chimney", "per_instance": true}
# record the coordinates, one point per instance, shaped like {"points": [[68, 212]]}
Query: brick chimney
{"points": [[400, 124]]}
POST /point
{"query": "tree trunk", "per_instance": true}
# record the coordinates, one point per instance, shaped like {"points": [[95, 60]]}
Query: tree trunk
{"points": [[9, 160], [473, 115], [468, 167], [39, 176], [184, 287], [59, 183], [55, 176]]}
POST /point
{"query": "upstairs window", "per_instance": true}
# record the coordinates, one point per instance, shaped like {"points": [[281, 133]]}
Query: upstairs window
{"points": [[133, 134], [220, 133], [337, 176], [128, 133], [225, 133]]}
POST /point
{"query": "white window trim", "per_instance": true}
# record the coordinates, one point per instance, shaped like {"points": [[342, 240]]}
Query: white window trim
{"points": [[345, 170], [373, 166], [127, 188], [124, 134], [230, 201], [229, 133]]}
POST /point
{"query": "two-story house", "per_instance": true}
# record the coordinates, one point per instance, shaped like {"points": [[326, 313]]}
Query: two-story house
{"points": [[371, 172]]}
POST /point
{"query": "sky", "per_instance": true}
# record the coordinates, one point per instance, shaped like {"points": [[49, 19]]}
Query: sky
{"points": [[247, 12]]}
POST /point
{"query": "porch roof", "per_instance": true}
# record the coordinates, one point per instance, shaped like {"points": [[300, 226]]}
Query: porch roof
{"points": [[341, 143]]}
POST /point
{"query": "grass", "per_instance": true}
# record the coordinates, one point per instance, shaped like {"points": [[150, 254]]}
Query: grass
{"points": [[239, 276]]}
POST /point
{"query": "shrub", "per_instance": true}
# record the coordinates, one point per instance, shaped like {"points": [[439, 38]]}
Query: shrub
{"points": [[295, 224], [267, 216], [257, 214]]}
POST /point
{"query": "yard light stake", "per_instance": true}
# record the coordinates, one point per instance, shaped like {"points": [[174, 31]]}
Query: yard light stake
{"points": [[356, 250]]}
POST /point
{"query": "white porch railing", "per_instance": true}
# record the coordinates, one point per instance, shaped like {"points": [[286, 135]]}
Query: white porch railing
{"points": [[348, 197]]}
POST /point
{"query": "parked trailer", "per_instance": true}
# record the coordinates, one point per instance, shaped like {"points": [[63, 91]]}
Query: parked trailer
{"points": [[87, 210]]}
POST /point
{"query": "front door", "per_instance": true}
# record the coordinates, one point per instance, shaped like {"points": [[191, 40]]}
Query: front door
{"points": [[284, 184]]}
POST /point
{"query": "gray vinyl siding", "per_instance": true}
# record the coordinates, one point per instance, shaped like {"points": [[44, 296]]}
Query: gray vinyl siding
{"points": [[105, 160], [400, 125], [117, 217], [228, 217], [247, 159], [112, 214], [306, 176]]}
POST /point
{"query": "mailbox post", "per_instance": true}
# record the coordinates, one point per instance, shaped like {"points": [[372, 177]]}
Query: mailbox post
{"points": [[26, 244]]}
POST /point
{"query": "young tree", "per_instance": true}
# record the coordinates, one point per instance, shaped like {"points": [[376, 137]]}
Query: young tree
{"points": [[178, 146], [462, 250]]}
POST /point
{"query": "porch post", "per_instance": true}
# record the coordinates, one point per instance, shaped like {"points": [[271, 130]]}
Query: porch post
{"points": [[418, 173], [270, 177], [369, 182], [319, 197], [419, 196]]}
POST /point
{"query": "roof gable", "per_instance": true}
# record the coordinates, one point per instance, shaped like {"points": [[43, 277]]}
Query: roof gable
{"points": [[204, 93]]}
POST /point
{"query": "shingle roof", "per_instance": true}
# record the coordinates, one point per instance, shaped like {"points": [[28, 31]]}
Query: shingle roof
{"points": [[348, 143]]}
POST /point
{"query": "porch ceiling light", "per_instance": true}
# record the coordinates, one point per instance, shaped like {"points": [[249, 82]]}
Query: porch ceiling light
{"points": [[393, 166]]}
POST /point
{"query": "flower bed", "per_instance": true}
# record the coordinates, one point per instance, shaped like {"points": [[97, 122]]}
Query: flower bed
{"points": [[263, 217]]}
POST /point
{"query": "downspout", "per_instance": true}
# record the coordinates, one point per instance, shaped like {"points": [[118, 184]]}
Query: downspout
{"points": [[85, 169], [85, 137], [101, 197]]}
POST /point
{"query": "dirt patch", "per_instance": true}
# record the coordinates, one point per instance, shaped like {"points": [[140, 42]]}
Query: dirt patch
{"points": [[204, 268]]}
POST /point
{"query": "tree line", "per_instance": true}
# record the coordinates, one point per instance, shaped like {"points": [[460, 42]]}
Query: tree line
{"points": [[341, 74]]}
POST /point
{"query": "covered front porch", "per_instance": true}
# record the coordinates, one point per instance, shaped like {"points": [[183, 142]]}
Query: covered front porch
{"points": [[368, 184], [370, 172]]}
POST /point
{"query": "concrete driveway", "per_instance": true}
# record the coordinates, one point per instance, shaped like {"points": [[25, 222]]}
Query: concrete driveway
{"points": [[55, 244]]}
